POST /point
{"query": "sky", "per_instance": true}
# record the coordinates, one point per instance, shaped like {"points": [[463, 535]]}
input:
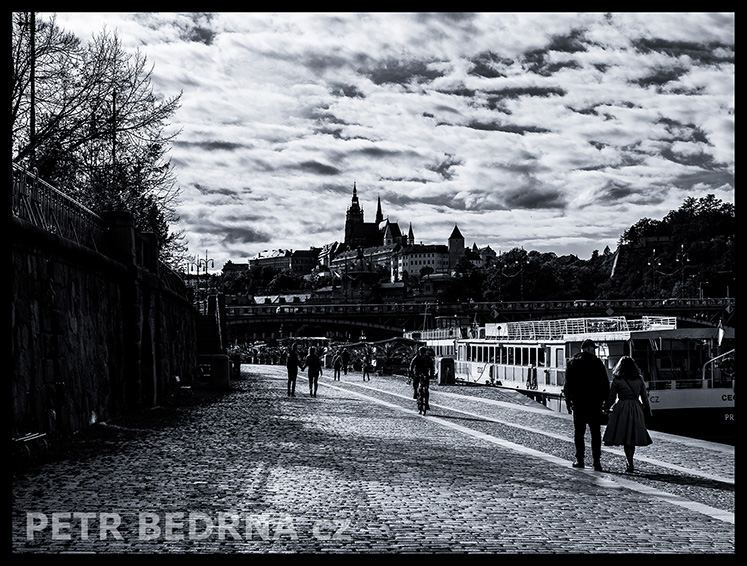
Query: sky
{"points": [[554, 132]]}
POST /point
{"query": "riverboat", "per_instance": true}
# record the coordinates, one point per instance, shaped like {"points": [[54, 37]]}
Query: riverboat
{"points": [[688, 371]]}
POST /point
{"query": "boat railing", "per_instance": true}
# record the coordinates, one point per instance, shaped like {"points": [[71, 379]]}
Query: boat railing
{"points": [[714, 374], [435, 334], [565, 328], [660, 384]]}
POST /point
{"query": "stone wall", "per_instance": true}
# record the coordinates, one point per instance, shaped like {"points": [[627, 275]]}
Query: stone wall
{"points": [[94, 334]]}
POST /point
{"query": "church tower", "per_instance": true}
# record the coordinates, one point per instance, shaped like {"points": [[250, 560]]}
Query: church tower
{"points": [[379, 215], [353, 217]]}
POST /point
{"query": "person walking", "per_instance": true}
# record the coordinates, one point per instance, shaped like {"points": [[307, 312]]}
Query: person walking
{"points": [[367, 366], [314, 367], [345, 360], [587, 388], [337, 366], [627, 421], [292, 363]]}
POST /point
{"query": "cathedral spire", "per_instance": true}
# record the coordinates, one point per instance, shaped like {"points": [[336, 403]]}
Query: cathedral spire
{"points": [[354, 205], [353, 218], [379, 215]]}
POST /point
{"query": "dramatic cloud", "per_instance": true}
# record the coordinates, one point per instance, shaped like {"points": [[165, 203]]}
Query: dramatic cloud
{"points": [[554, 132]]}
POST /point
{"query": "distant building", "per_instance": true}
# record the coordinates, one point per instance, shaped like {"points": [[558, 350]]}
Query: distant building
{"points": [[229, 266], [299, 261], [411, 260], [328, 252], [304, 261], [482, 257]]}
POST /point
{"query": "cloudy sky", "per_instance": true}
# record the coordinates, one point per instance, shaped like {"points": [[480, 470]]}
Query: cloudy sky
{"points": [[551, 131]]}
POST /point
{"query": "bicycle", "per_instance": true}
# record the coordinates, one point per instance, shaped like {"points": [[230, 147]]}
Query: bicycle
{"points": [[423, 389]]}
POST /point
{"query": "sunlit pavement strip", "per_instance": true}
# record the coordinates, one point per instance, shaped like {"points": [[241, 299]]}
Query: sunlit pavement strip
{"points": [[615, 483], [653, 461]]}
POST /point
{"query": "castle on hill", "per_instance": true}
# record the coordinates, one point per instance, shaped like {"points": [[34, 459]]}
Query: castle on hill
{"points": [[382, 245], [372, 249]]}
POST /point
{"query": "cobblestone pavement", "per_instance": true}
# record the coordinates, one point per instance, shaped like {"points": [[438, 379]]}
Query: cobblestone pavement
{"points": [[357, 470]]}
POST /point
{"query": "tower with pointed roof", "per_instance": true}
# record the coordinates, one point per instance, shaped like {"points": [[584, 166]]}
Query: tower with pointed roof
{"points": [[353, 217], [456, 247], [358, 232], [379, 215]]}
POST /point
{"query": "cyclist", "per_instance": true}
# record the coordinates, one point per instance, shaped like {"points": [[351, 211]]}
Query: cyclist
{"points": [[421, 367]]}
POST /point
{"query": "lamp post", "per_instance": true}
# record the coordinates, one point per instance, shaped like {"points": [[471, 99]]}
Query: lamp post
{"points": [[199, 263], [683, 259], [654, 263], [205, 262]]}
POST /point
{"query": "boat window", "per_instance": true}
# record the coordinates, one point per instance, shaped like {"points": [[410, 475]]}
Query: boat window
{"points": [[525, 356], [603, 350], [541, 356], [533, 356], [559, 358], [510, 356]]}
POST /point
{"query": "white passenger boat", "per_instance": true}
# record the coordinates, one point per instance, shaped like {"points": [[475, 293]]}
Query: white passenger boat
{"points": [[688, 371]]}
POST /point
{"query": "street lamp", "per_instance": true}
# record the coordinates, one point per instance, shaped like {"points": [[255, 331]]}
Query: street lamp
{"points": [[700, 288], [205, 262], [682, 258], [654, 263]]}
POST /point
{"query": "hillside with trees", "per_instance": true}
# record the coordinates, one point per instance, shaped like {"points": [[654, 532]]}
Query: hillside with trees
{"points": [[689, 253]]}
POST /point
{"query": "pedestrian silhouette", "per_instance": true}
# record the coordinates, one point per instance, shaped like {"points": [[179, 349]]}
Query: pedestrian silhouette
{"points": [[586, 389], [367, 366], [293, 363], [337, 366], [627, 421], [345, 360], [314, 367]]}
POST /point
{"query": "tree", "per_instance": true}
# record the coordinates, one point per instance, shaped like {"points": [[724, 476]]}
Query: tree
{"points": [[86, 118]]}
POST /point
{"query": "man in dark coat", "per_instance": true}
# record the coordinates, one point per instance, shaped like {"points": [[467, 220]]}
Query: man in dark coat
{"points": [[345, 360], [293, 363], [586, 389], [314, 366]]}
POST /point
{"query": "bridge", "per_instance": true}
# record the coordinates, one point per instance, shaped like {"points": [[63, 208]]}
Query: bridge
{"points": [[387, 320]]}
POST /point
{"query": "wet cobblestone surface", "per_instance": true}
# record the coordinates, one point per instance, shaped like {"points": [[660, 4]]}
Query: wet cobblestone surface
{"points": [[357, 470]]}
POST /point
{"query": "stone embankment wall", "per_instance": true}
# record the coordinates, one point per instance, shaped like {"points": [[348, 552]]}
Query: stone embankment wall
{"points": [[94, 334]]}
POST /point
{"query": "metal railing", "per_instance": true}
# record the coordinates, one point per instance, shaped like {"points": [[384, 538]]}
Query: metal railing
{"points": [[41, 204], [715, 372]]}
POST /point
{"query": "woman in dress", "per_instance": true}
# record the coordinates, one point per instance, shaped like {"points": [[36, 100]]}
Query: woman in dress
{"points": [[627, 421]]}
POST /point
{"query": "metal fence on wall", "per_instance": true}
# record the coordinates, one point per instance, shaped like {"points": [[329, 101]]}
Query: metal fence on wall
{"points": [[40, 203]]}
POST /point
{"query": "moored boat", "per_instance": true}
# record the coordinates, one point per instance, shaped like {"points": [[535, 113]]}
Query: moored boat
{"points": [[689, 372]]}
